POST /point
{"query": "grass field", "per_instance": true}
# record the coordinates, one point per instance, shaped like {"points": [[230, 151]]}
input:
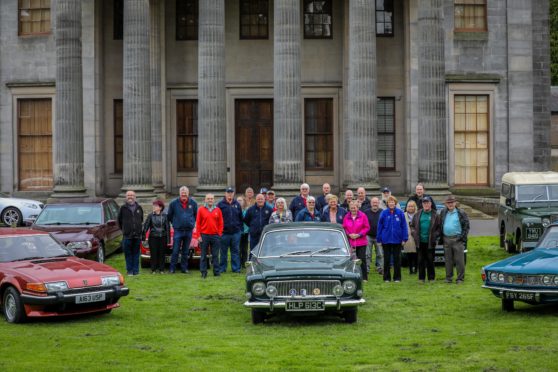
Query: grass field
{"points": [[179, 322]]}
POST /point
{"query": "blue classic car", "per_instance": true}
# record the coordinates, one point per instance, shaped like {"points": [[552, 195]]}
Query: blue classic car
{"points": [[303, 268], [530, 277]]}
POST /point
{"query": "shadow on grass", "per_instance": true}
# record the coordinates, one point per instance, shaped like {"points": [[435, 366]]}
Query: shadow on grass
{"points": [[302, 320]]}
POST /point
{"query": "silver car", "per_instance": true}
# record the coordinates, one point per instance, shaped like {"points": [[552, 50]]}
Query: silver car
{"points": [[14, 211]]}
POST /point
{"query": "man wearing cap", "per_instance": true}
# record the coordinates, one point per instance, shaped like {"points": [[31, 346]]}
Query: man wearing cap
{"points": [[299, 202], [256, 218], [182, 215], [209, 229], [321, 201], [270, 199], [426, 230], [232, 229], [386, 193], [455, 227]]}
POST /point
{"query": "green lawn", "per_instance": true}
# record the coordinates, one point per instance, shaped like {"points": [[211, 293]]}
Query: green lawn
{"points": [[179, 322]]}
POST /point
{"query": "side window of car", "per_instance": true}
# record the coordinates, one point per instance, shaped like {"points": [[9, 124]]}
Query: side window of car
{"points": [[506, 190], [107, 212], [114, 209]]}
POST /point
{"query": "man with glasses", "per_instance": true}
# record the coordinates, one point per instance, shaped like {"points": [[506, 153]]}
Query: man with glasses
{"points": [[455, 227], [299, 202]]}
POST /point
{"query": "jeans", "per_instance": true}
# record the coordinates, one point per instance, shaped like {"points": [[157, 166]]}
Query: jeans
{"points": [[131, 248], [373, 243], [253, 242], [232, 241], [214, 242], [181, 244], [425, 261], [389, 251]]}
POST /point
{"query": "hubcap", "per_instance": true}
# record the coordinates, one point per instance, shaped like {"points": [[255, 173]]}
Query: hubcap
{"points": [[10, 307], [11, 217]]}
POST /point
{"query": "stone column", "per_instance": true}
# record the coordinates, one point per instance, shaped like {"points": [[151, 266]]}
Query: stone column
{"points": [[137, 99], [360, 132], [68, 130], [155, 76], [288, 134], [212, 128], [432, 141]]}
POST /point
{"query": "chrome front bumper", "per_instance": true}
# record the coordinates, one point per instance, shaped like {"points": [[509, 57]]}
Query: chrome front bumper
{"points": [[523, 290], [60, 297], [281, 304]]}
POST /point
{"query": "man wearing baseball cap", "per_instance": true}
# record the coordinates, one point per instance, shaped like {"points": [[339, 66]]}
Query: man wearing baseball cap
{"points": [[455, 227], [232, 229]]}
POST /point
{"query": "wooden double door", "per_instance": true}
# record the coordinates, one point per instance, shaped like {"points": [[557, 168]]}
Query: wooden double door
{"points": [[253, 143]]}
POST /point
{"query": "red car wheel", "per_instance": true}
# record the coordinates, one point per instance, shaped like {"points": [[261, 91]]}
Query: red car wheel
{"points": [[14, 310]]}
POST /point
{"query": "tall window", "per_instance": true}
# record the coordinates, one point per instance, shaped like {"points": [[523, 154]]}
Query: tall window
{"points": [[317, 19], [384, 17], [187, 19], [318, 128], [118, 136], [385, 113], [471, 140], [470, 15], [34, 132], [118, 20], [34, 17], [254, 19], [187, 135]]}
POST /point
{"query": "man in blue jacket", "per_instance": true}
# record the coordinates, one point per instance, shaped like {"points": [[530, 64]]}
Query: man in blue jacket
{"points": [[232, 218], [299, 202], [257, 216], [182, 215]]}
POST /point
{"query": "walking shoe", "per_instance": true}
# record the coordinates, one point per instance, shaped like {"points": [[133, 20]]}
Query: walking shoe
{"points": [[185, 272], [448, 281], [204, 275], [387, 281], [459, 282], [397, 281]]}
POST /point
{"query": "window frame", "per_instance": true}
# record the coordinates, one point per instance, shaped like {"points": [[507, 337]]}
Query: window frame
{"points": [[304, 13], [20, 8], [392, 34], [179, 4], [240, 24], [393, 133], [330, 133], [195, 135], [464, 4]]}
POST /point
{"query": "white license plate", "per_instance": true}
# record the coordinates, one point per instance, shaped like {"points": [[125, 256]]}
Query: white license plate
{"points": [[93, 297]]}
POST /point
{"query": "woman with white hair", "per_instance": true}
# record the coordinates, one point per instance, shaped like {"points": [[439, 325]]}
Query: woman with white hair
{"points": [[309, 214], [281, 214]]}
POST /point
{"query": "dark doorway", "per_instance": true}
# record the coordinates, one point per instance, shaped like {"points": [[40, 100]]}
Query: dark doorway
{"points": [[254, 143]]}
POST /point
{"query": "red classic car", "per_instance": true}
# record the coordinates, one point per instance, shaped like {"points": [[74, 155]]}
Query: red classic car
{"points": [[88, 226], [194, 253], [39, 277]]}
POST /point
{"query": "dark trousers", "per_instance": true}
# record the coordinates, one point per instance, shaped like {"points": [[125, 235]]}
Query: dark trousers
{"points": [[425, 262], [232, 241], [361, 254], [213, 242], [131, 248], [392, 250], [157, 247], [243, 248], [254, 240], [181, 244], [412, 258]]}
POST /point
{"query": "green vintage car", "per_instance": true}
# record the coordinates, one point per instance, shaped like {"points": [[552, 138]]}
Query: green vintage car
{"points": [[528, 204], [303, 268]]}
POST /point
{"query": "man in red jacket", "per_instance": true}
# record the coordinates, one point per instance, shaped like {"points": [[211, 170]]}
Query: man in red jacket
{"points": [[209, 229]]}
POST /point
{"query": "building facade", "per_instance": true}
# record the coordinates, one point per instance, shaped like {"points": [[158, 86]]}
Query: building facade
{"points": [[101, 96]]}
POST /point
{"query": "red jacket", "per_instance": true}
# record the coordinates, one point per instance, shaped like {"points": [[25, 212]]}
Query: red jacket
{"points": [[209, 223]]}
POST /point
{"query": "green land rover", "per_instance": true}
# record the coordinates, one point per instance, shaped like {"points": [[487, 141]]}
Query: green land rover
{"points": [[528, 204]]}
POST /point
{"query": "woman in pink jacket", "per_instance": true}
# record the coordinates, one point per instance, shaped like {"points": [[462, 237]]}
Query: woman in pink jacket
{"points": [[356, 227]]}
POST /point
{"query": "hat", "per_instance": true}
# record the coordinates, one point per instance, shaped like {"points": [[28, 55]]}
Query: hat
{"points": [[451, 199], [385, 189], [270, 192], [229, 189], [427, 198], [263, 190], [159, 203]]}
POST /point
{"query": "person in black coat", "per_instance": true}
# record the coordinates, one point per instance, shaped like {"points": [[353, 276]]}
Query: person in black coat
{"points": [[256, 218], [130, 218], [158, 226], [321, 201], [373, 215], [299, 202]]}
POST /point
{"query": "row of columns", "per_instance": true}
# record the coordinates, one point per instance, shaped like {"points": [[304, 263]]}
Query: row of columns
{"points": [[142, 97]]}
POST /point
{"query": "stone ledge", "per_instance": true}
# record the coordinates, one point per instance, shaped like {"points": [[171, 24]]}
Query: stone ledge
{"points": [[472, 77], [470, 36]]}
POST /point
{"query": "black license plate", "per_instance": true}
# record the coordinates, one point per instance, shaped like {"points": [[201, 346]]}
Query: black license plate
{"points": [[305, 306], [533, 233], [519, 296]]}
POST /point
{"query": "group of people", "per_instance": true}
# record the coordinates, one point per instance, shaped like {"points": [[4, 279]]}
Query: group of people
{"points": [[236, 223]]}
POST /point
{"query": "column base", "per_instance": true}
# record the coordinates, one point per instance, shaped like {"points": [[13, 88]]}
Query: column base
{"points": [[68, 192], [144, 193], [287, 190], [217, 190], [372, 188], [159, 188]]}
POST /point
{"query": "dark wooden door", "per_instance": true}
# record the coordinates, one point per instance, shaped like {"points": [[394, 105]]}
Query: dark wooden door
{"points": [[254, 143]]}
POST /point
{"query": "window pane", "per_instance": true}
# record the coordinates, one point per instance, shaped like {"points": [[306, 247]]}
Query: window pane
{"points": [[470, 15], [385, 112], [187, 135], [33, 17], [384, 17], [187, 19], [254, 16], [317, 19], [318, 128]]}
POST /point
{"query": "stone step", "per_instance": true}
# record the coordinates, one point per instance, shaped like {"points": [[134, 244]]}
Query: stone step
{"points": [[474, 213]]}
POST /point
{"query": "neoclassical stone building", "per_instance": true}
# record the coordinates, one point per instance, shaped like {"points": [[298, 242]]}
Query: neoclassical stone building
{"points": [[97, 96]]}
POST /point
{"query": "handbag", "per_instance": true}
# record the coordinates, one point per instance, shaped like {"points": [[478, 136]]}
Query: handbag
{"points": [[410, 246]]}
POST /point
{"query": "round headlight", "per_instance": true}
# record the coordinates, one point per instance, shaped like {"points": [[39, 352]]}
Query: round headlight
{"points": [[545, 222], [493, 277], [338, 290], [349, 286], [258, 288], [271, 291], [500, 277], [547, 280], [556, 280]]}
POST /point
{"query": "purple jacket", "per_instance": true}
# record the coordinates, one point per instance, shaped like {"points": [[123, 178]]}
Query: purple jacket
{"points": [[359, 225]]}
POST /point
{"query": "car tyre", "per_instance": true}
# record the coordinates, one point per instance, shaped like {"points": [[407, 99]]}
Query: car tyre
{"points": [[350, 315], [507, 305], [257, 316], [101, 253], [13, 308], [11, 216]]}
